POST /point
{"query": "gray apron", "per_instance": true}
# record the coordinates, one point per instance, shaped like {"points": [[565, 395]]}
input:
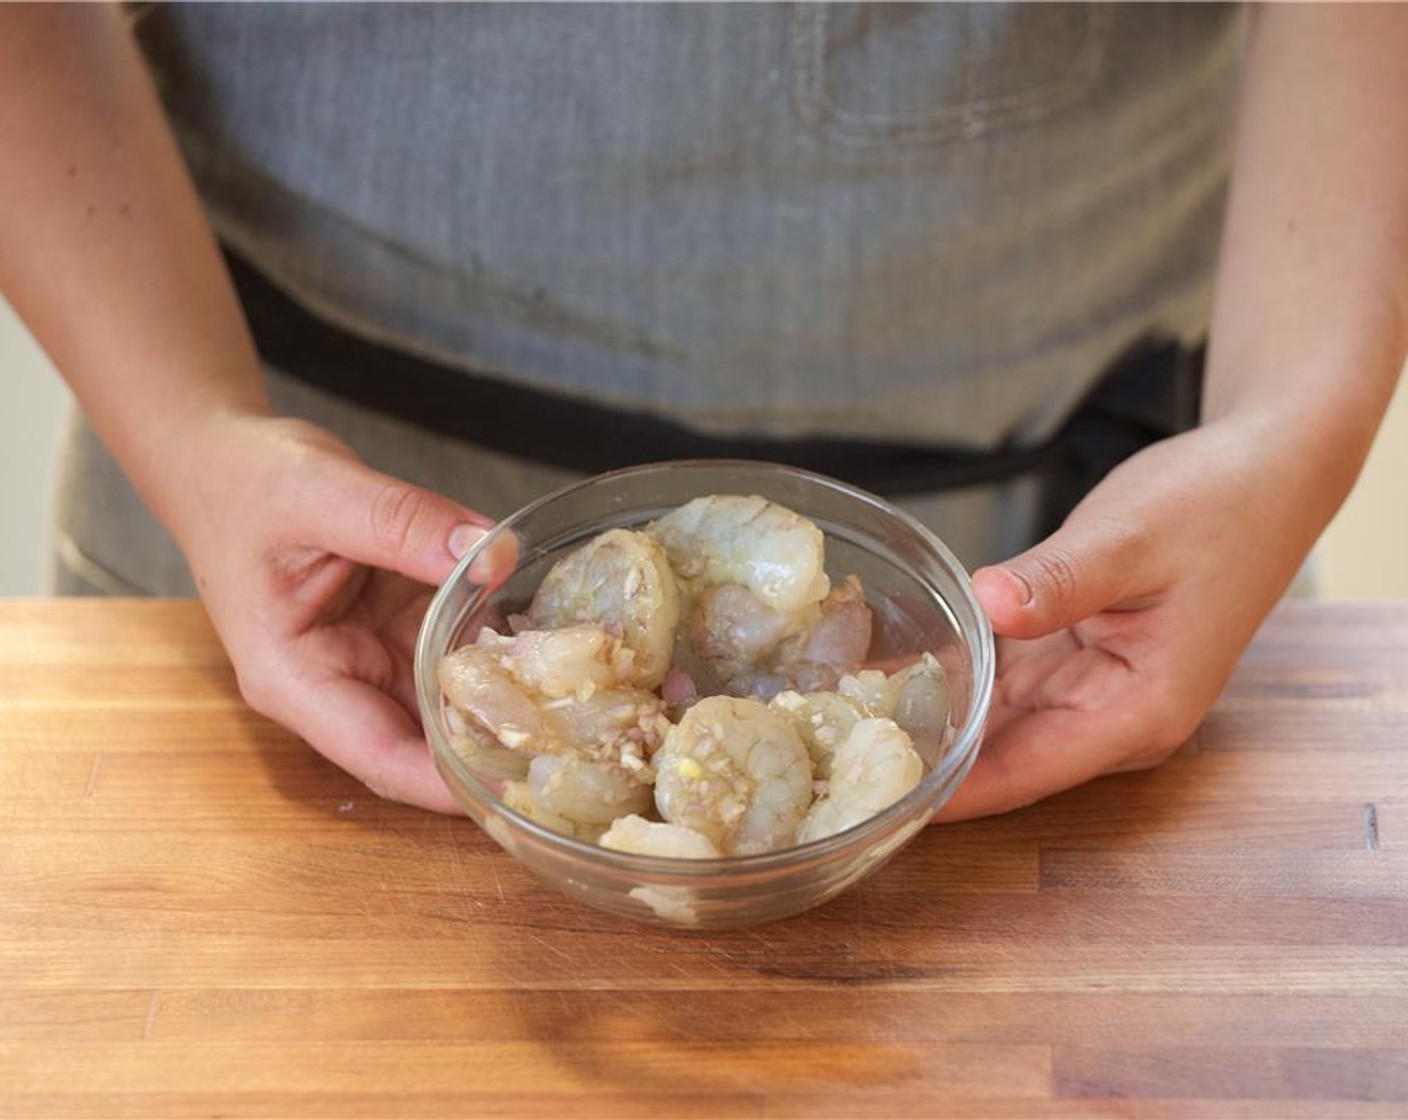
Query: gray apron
{"points": [[928, 223]]}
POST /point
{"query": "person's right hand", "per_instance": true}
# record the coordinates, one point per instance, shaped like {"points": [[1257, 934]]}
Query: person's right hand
{"points": [[316, 571], [1116, 634]]}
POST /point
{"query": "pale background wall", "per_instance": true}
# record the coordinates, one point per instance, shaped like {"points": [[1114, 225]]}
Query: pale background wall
{"points": [[1365, 549], [1363, 555], [33, 402]]}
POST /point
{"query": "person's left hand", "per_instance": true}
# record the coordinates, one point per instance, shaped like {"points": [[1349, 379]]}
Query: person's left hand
{"points": [[1117, 633]]}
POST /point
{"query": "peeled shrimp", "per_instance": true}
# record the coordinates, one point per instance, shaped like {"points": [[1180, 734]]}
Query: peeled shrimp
{"points": [[921, 707], [831, 644], [639, 836], [586, 792], [736, 772], [823, 720], [727, 594], [519, 797], [733, 634], [573, 661], [621, 580], [775, 553], [916, 697], [762, 615], [483, 692], [553, 692], [482, 754], [870, 771], [750, 649]]}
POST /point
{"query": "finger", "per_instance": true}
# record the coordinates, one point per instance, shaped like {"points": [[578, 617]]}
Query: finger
{"points": [[384, 522], [1089, 565], [369, 735], [1041, 754]]}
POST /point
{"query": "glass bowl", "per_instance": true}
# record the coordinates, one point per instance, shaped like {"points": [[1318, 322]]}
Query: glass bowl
{"points": [[921, 600]]}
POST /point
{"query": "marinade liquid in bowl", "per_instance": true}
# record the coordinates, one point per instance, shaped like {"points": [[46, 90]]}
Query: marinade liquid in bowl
{"points": [[920, 600]]}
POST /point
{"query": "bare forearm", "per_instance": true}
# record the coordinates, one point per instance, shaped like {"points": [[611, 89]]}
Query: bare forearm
{"points": [[1311, 320], [104, 250]]}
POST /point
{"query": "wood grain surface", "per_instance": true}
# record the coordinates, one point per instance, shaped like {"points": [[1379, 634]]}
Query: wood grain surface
{"points": [[200, 917]]}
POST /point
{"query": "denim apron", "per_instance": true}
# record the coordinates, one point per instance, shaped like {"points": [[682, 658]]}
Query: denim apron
{"points": [[931, 226]]}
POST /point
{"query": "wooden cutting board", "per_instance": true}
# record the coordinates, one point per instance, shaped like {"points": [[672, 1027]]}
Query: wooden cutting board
{"points": [[199, 916]]}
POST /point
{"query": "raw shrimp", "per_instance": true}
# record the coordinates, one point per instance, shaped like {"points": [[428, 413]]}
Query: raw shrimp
{"points": [[586, 792], [573, 661], [482, 754], [750, 649], [727, 594], [775, 553], [762, 614], [733, 633], [623, 581], [625, 725], [480, 689], [921, 707], [736, 772], [916, 697], [823, 720], [554, 692], [831, 644], [519, 797], [870, 771], [641, 837]]}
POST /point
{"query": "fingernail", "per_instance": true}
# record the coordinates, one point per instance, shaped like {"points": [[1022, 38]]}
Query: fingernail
{"points": [[464, 537]]}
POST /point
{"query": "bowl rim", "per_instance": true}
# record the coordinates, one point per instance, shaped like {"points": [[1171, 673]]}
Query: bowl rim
{"points": [[959, 756]]}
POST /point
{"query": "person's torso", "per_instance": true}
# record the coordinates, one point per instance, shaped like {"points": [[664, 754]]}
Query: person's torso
{"points": [[906, 222]]}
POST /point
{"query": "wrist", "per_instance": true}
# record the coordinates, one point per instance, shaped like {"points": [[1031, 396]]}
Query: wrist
{"points": [[1291, 469], [200, 466]]}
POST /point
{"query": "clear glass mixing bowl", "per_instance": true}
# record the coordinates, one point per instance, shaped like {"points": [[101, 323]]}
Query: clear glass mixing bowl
{"points": [[921, 599]]}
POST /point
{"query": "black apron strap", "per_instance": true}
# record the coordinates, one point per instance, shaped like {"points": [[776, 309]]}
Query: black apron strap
{"points": [[578, 435], [1150, 393]]}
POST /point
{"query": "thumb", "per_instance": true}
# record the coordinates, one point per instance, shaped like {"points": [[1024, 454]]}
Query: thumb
{"points": [[383, 522], [1085, 567]]}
